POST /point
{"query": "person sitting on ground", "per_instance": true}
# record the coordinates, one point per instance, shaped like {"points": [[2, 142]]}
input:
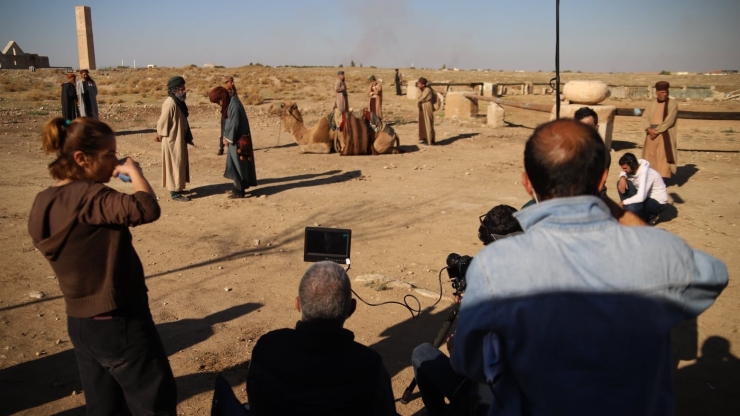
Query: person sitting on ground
{"points": [[641, 188], [574, 316], [434, 374], [317, 368]]}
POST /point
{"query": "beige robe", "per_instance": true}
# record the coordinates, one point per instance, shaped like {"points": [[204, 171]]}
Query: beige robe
{"points": [[341, 102], [375, 91], [171, 127], [426, 115], [653, 150]]}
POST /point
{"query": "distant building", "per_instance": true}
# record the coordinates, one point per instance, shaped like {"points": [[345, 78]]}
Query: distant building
{"points": [[151, 66], [13, 57], [210, 66]]}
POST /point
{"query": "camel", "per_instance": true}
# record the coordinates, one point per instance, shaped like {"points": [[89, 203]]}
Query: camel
{"points": [[320, 138]]}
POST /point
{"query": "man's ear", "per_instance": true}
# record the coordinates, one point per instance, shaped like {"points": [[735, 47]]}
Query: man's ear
{"points": [[602, 181], [528, 185], [297, 303], [352, 307]]}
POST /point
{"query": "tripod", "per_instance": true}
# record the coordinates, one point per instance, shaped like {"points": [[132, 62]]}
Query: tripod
{"points": [[441, 336]]}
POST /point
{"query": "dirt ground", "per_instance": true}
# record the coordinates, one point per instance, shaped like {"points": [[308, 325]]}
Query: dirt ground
{"points": [[223, 272]]}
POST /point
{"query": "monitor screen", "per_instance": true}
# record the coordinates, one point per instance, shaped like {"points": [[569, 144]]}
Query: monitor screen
{"points": [[332, 244]]}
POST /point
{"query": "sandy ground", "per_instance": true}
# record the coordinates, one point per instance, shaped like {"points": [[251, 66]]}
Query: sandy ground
{"points": [[223, 272]]}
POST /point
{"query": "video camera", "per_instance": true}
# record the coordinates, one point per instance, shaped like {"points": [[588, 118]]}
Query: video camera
{"points": [[457, 266]]}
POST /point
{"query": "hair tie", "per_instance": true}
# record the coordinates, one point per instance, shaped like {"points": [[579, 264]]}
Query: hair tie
{"points": [[67, 122]]}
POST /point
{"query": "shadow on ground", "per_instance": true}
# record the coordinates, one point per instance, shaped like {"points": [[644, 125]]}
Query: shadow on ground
{"points": [[448, 141], [619, 145], [142, 131], [682, 175], [53, 377]]}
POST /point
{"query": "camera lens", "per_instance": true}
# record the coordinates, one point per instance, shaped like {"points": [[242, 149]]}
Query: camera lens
{"points": [[452, 259]]}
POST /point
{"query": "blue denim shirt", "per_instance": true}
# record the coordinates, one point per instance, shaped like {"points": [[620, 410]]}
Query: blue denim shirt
{"points": [[573, 316]]}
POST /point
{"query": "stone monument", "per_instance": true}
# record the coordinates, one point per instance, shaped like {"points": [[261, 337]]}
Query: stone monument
{"points": [[589, 94], [85, 44]]}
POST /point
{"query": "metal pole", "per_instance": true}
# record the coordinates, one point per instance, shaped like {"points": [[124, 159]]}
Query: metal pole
{"points": [[557, 59]]}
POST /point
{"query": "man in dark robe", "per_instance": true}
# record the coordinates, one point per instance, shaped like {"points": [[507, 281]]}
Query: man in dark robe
{"points": [[397, 80], [69, 98], [87, 91], [240, 165]]}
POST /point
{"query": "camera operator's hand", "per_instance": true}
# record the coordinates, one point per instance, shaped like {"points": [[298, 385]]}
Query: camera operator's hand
{"points": [[450, 342]]}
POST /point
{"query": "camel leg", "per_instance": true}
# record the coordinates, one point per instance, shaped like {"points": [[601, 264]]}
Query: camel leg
{"points": [[318, 148]]}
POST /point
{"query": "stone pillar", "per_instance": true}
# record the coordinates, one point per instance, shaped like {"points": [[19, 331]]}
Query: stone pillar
{"points": [[489, 89], [412, 93], [605, 113], [457, 105], [85, 44], [495, 115]]}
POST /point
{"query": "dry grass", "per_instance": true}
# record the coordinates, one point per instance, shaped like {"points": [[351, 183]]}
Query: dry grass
{"points": [[258, 83]]}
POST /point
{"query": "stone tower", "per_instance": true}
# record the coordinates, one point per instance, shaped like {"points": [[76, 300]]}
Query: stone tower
{"points": [[85, 44]]}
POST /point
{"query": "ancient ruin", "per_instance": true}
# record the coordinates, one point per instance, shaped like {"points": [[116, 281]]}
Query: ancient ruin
{"points": [[13, 57]]}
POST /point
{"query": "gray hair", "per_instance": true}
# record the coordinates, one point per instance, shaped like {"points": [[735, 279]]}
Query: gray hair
{"points": [[325, 293]]}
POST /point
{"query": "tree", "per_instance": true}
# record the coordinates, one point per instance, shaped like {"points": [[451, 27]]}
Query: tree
{"points": [[444, 66], [352, 63]]}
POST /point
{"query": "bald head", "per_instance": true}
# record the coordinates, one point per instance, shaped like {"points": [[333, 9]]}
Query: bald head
{"points": [[564, 158]]}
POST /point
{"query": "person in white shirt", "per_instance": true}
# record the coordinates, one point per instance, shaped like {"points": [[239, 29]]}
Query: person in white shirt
{"points": [[641, 188]]}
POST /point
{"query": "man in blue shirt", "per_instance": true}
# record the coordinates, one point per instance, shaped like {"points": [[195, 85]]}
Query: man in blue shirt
{"points": [[573, 317]]}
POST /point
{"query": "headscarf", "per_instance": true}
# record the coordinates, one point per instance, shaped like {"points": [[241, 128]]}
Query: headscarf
{"points": [[71, 75], [175, 82], [232, 91], [89, 78], [220, 96], [662, 86], [372, 77]]}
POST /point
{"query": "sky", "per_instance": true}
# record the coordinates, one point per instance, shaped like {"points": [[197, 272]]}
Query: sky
{"points": [[595, 36]]}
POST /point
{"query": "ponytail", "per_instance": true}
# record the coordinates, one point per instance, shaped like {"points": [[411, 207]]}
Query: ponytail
{"points": [[55, 131]]}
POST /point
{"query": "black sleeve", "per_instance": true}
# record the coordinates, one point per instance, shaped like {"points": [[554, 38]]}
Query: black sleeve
{"points": [[384, 403]]}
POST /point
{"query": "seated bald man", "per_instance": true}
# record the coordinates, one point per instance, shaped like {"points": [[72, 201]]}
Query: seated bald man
{"points": [[573, 316], [317, 368]]}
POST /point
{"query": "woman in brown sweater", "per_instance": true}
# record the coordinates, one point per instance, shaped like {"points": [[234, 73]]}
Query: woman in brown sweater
{"points": [[81, 226]]}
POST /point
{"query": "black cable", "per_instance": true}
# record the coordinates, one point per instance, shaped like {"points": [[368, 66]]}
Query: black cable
{"points": [[557, 59], [405, 303]]}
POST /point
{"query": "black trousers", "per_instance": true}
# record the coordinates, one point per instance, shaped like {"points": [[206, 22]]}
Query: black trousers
{"points": [[122, 363]]}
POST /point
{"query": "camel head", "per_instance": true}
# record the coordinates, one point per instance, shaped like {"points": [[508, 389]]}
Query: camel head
{"points": [[286, 108]]}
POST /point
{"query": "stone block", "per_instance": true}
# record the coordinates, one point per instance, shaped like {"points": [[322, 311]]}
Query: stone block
{"points": [[490, 89], [586, 92], [495, 115], [606, 115], [457, 105], [412, 93]]}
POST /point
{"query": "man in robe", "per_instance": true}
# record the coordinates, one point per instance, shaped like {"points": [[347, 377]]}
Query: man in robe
{"points": [[87, 91], [340, 89], [397, 80], [237, 136], [426, 111], [173, 131], [375, 91], [69, 98], [659, 119]]}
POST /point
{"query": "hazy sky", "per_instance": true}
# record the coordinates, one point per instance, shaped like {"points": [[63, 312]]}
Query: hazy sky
{"points": [[595, 36]]}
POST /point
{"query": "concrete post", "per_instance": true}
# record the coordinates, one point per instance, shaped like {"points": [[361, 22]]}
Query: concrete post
{"points": [[457, 105], [412, 93], [85, 45], [495, 115]]}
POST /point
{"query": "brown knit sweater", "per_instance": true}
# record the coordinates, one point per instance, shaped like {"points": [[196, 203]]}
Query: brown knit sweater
{"points": [[82, 229]]}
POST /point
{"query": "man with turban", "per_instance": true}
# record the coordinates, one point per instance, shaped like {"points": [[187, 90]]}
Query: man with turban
{"points": [[659, 120], [87, 91], [237, 136], [173, 131], [426, 111], [69, 98]]}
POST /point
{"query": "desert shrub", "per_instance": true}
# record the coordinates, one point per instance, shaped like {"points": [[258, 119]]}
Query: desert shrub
{"points": [[664, 72], [252, 96]]}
